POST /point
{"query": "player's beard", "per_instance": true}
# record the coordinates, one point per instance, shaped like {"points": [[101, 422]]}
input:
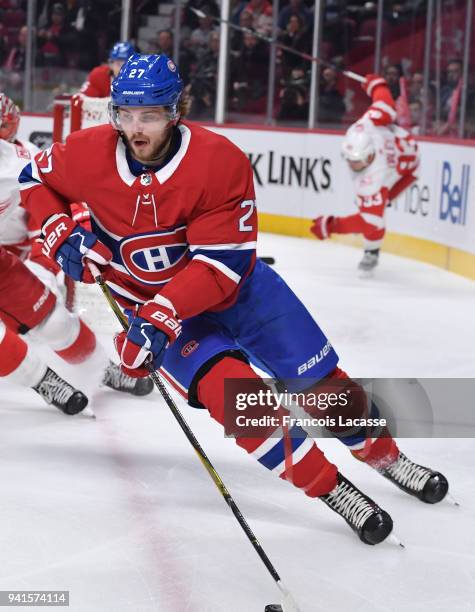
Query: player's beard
{"points": [[145, 151]]}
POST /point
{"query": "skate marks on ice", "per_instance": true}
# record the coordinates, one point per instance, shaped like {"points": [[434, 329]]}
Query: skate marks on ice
{"points": [[120, 512]]}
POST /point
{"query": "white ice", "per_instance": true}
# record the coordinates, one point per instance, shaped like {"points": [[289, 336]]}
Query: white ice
{"points": [[120, 512]]}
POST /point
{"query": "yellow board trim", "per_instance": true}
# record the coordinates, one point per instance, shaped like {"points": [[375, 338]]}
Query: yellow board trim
{"points": [[448, 258]]}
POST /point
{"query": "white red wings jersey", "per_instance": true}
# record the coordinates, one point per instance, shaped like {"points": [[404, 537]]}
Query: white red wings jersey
{"points": [[187, 230], [396, 157], [14, 156], [396, 153]]}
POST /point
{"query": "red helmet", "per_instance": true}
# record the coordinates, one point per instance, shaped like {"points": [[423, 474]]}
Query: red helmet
{"points": [[9, 118]]}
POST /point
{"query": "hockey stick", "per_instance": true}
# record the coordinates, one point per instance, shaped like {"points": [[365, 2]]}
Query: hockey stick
{"points": [[348, 73], [288, 602]]}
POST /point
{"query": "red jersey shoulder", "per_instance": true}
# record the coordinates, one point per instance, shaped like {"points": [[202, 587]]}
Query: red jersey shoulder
{"points": [[218, 151], [98, 82], [97, 135]]}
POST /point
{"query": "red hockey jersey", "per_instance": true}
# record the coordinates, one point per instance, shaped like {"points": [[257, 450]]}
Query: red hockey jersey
{"points": [[187, 230], [98, 82]]}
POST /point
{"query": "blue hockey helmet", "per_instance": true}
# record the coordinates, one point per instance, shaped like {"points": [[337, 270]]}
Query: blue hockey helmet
{"points": [[148, 80], [121, 51]]}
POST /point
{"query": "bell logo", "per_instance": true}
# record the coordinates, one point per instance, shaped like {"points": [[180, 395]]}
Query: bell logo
{"points": [[454, 195]]}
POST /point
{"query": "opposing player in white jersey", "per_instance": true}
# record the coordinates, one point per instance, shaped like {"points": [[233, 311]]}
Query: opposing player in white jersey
{"points": [[19, 363], [383, 159], [27, 304]]}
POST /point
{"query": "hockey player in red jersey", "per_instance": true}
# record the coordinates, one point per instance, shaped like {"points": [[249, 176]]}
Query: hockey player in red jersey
{"points": [[174, 229], [383, 160], [27, 303], [98, 82]]}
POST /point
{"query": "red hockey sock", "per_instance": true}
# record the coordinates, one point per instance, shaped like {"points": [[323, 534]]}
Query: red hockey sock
{"points": [[297, 459], [81, 348], [356, 224], [12, 351], [378, 451]]}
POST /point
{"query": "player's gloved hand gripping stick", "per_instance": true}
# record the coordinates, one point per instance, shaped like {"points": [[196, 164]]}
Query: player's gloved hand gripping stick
{"points": [[69, 244], [288, 603], [153, 327]]}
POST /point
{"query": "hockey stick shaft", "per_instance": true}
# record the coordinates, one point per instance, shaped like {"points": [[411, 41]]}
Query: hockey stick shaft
{"points": [[311, 58], [289, 604]]}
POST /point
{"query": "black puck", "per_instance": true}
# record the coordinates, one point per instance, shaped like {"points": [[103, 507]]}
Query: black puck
{"points": [[270, 261]]}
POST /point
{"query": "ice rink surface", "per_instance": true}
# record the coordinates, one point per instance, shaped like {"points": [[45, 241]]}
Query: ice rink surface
{"points": [[120, 512]]}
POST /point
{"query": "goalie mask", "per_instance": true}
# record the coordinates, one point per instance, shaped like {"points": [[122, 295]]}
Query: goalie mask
{"points": [[9, 118]]}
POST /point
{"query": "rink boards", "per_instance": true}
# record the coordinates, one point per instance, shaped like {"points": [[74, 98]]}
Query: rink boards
{"points": [[300, 174]]}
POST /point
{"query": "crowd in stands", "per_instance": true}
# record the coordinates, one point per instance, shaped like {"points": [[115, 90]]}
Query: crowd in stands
{"points": [[76, 34]]}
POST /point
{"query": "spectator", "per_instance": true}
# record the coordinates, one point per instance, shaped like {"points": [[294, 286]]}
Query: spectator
{"points": [[392, 73], [57, 42], [237, 7], [245, 21], [297, 37], [294, 97], [331, 104], [338, 29], [450, 92], [15, 63], [416, 86], [261, 11], [202, 88], [295, 7], [165, 42], [249, 69], [415, 109], [200, 36]]}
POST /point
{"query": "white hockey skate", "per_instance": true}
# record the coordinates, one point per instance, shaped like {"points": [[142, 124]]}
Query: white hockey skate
{"points": [[368, 263]]}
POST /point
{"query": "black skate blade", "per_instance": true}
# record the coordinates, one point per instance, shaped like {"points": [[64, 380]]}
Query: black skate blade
{"points": [[273, 608]]}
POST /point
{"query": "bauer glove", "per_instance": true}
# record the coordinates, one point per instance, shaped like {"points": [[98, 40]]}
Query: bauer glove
{"points": [[153, 328], [69, 244]]}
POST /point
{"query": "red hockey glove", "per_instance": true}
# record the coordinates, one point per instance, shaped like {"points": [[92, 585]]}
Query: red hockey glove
{"points": [[372, 81], [69, 244], [80, 213], [152, 329], [321, 227], [37, 256]]}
